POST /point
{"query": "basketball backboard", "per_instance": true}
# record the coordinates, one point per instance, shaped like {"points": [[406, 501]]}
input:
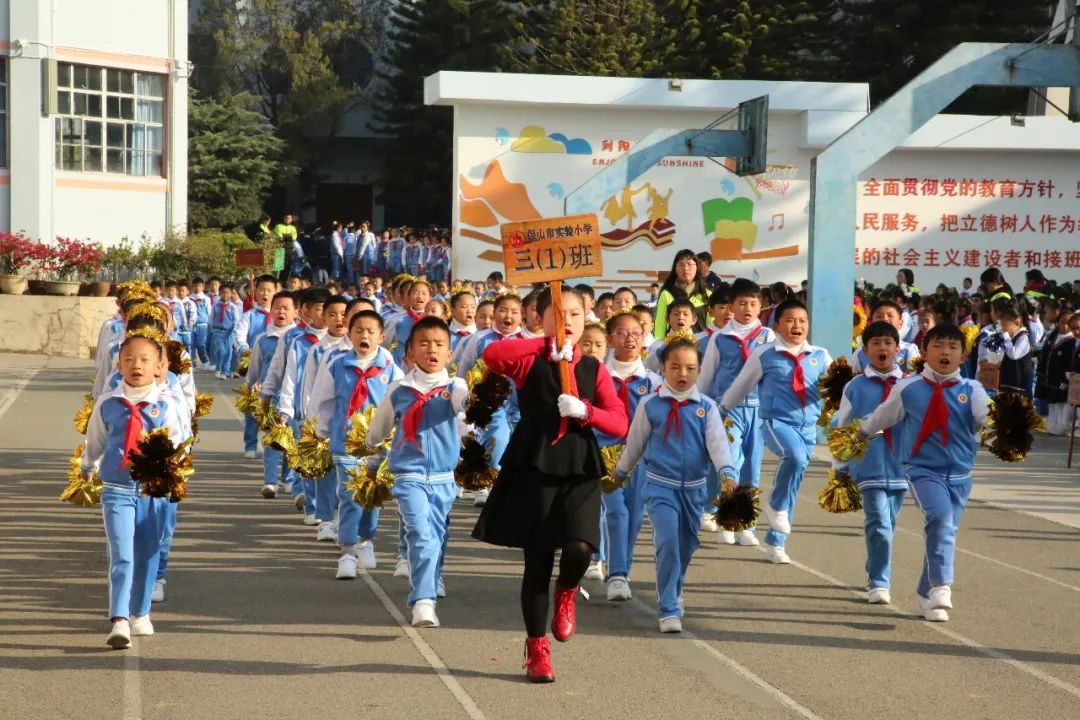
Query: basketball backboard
{"points": [[754, 121]]}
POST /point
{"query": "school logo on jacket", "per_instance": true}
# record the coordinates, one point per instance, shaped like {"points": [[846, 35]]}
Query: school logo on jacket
{"points": [[154, 412], [384, 379], [962, 397], [445, 394], [641, 390], [813, 361], [761, 339], [701, 412]]}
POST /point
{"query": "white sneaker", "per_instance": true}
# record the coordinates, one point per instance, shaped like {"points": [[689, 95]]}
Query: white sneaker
{"points": [[726, 537], [480, 498], [311, 520], [325, 533], [298, 502], [440, 588], [346, 567], [778, 519], [941, 597], [930, 613], [249, 455], [595, 571], [120, 635], [158, 593], [777, 555], [367, 555], [670, 624], [708, 523], [401, 568], [285, 486], [269, 492], [211, 367], [879, 596], [423, 614], [141, 626], [747, 538], [618, 589]]}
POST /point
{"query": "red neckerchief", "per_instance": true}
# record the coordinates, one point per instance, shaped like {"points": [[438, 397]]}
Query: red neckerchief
{"points": [[360, 392], [221, 312], [416, 316], [886, 388], [798, 377], [937, 415], [410, 424], [623, 388], [745, 344], [134, 429], [673, 417]]}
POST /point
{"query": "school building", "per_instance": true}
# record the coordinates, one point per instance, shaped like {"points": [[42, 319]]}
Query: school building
{"points": [[93, 118]]}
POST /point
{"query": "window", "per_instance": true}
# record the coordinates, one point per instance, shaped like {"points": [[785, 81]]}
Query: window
{"points": [[3, 112], [109, 120]]}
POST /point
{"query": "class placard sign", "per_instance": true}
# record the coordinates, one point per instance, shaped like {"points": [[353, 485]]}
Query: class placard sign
{"points": [[549, 249]]}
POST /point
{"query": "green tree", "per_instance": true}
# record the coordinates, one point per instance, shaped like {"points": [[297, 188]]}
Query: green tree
{"points": [[233, 159], [426, 36]]}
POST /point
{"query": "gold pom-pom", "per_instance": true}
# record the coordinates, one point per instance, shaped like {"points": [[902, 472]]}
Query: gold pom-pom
{"points": [[82, 490], [848, 443], [247, 400], [310, 456], [244, 363], [280, 436], [1009, 426], [971, 334], [356, 437], [82, 417], [916, 365], [203, 403], [858, 324], [610, 455], [474, 470], [841, 494], [737, 509], [831, 386], [486, 396], [476, 374], [370, 493], [178, 364], [265, 416], [161, 467]]}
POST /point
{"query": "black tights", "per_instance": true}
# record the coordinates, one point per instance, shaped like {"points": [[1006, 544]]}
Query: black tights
{"points": [[536, 582]]}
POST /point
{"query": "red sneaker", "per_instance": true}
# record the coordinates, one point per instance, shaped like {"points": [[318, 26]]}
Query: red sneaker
{"points": [[538, 660], [564, 622]]}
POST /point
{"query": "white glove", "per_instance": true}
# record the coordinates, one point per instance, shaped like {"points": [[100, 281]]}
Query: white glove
{"points": [[464, 428], [572, 407], [567, 352]]}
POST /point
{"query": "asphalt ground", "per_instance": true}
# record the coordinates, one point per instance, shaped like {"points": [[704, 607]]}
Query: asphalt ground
{"points": [[255, 625]]}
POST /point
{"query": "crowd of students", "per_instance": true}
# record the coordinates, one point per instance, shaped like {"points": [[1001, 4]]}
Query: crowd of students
{"points": [[688, 386]]}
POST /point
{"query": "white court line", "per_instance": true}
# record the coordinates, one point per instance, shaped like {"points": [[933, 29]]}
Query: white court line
{"points": [[132, 708], [433, 659], [9, 395], [953, 635], [738, 668]]}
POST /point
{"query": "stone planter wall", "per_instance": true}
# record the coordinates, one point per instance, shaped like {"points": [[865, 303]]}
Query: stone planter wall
{"points": [[42, 324]]}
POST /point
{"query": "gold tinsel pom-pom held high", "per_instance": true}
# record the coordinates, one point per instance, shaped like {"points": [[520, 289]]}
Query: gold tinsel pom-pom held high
{"points": [[487, 392], [82, 417], [82, 490], [841, 494], [371, 493], [474, 470], [738, 509], [848, 443], [831, 386], [161, 467], [310, 457], [1009, 426], [610, 455]]}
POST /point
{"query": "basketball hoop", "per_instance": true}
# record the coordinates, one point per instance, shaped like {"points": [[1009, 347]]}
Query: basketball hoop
{"points": [[776, 178]]}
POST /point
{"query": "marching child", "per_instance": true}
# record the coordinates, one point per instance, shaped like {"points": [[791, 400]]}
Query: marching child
{"points": [[415, 305], [935, 417], [676, 433], [725, 356], [624, 507], [353, 381], [879, 476], [680, 317], [593, 342], [134, 523], [786, 375], [223, 321], [187, 314], [248, 328], [283, 312], [890, 312], [424, 405], [645, 316], [720, 310], [1055, 368], [463, 312], [413, 255], [485, 314], [203, 307], [547, 496]]}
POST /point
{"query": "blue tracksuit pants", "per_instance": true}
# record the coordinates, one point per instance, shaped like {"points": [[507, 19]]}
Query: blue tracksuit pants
{"points": [[793, 445], [675, 514], [425, 512], [326, 497], [133, 527], [747, 445], [880, 508], [623, 514], [355, 524], [166, 539], [199, 339], [942, 502], [251, 434]]}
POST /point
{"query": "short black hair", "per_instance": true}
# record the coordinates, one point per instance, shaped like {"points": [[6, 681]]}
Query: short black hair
{"points": [[945, 331], [265, 278], [605, 296], [428, 322], [336, 300], [543, 300], [369, 314], [183, 283], [879, 329], [358, 300], [212, 278], [641, 308], [886, 303], [789, 304], [314, 296], [623, 289], [585, 290], [721, 296], [284, 295], [678, 303], [705, 256], [613, 321], [495, 277], [196, 280], [1008, 313], [745, 288], [458, 295]]}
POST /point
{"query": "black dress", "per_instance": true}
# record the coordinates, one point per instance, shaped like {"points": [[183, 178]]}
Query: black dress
{"points": [[547, 495]]}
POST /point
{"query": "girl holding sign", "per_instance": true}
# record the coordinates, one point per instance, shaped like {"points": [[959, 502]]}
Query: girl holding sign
{"points": [[547, 495]]}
